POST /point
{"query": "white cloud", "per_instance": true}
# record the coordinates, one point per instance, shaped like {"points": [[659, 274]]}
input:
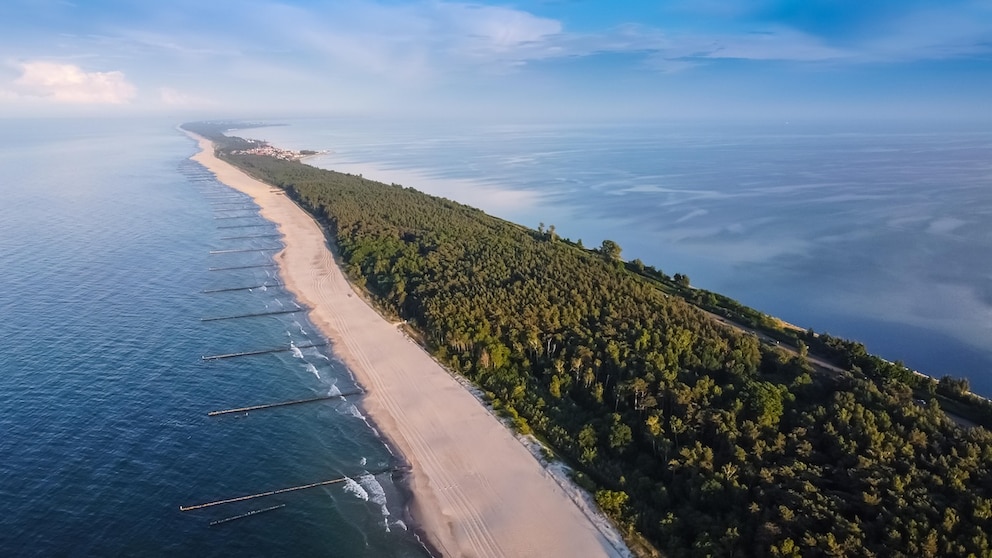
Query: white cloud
{"points": [[780, 44], [67, 83], [495, 32], [410, 42]]}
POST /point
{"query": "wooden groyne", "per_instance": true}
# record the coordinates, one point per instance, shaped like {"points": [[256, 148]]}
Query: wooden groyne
{"points": [[255, 315], [239, 251], [229, 202], [272, 492], [282, 404], [244, 515], [232, 289], [236, 217], [239, 267], [251, 236], [262, 351], [243, 208], [244, 226]]}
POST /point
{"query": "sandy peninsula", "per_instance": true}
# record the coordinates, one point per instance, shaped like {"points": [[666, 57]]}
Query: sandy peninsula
{"points": [[477, 490]]}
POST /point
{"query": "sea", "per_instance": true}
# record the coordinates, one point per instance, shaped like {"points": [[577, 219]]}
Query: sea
{"points": [[880, 232], [116, 251], [110, 236]]}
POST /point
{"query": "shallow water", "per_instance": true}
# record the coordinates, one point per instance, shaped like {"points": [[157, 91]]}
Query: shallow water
{"points": [[105, 251]]}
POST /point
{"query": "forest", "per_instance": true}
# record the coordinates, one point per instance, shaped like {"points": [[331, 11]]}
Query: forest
{"points": [[696, 438]]}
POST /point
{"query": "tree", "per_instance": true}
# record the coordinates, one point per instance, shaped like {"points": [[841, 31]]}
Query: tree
{"points": [[950, 385], [613, 503], [587, 441], [620, 434], [610, 250]]}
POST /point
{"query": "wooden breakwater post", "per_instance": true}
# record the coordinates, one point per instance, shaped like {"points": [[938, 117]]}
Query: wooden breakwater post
{"points": [[240, 267], [244, 515], [246, 250], [252, 215], [250, 236], [262, 351], [283, 403], [255, 315], [244, 226], [232, 289], [273, 492]]}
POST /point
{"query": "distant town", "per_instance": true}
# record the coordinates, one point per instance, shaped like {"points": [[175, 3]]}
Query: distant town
{"points": [[263, 148]]}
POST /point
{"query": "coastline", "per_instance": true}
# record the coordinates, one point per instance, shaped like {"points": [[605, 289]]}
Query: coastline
{"points": [[477, 490]]}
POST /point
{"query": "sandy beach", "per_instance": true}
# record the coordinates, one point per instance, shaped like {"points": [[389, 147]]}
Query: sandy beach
{"points": [[477, 490]]}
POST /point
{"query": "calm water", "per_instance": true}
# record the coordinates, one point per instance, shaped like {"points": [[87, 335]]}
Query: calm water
{"points": [[105, 251], [879, 233]]}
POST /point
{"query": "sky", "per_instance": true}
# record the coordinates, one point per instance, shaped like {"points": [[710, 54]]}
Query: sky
{"points": [[527, 60]]}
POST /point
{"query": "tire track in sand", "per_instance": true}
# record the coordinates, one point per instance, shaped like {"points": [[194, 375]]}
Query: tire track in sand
{"points": [[326, 279]]}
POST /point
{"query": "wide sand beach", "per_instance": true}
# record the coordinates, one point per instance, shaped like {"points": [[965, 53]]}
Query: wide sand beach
{"points": [[477, 490]]}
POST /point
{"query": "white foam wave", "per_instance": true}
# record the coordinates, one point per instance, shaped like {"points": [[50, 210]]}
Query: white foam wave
{"points": [[334, 390], [399, 523], [353, 487], [313, 370], [279, 302], [376, 495], [363, 462], [263, 288], [296, 352], [375, 490], [353, 411]]}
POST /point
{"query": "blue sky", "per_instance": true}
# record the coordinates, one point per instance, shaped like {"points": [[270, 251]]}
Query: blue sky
{"points": [[551, 59]]}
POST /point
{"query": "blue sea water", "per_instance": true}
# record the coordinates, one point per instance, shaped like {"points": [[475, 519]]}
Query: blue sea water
{"points": [[107, 230], [879, 232]]}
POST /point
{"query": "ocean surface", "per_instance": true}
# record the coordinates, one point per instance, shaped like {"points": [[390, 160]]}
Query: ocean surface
{"points": [[879, 232], [105, 251]]}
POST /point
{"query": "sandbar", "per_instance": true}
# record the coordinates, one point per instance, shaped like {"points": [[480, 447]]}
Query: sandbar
{"points": [[477, 491]]}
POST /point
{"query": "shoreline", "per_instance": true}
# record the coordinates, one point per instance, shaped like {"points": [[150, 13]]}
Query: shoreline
{"points": [[477, 491]]}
